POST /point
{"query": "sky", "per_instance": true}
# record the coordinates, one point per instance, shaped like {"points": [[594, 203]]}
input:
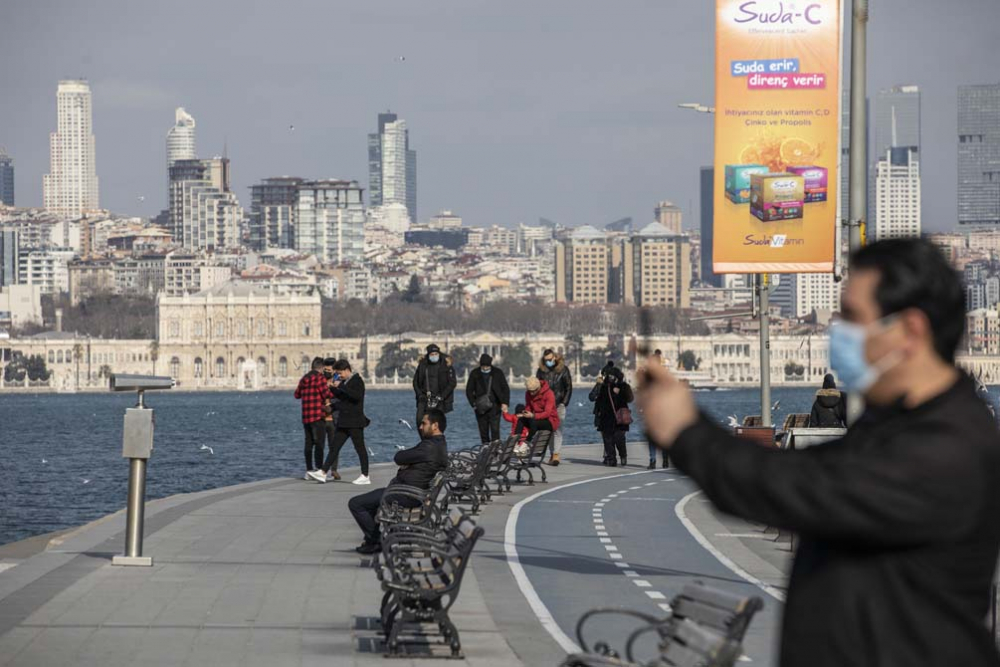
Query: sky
{"points": [[563, 109]]}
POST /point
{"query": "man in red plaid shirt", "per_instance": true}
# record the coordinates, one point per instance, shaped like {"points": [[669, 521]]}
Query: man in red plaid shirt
{"points": [[314, 392]]}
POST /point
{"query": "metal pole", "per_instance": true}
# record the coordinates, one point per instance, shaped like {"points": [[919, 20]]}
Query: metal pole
{"points": [[765, 350], [136, 507]]}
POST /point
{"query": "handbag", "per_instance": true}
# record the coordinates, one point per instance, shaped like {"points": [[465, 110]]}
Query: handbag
{"points": [[623, 415], [484, 403]]}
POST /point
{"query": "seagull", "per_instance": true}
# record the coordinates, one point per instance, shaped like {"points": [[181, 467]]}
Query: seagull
{"points": [[406, 424], [86, 481], [776, 404], [141, 198], [579, 404], [371, 451], [400, 59], [291, 128], [210, 450], [400, 446], [733, 422], [44, 461]]}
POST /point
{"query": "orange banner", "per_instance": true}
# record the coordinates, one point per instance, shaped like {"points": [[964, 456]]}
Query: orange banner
{"points": [[777, 98]]}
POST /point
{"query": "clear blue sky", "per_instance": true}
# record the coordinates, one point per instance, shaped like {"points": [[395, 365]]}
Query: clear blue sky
{"points": [[562, 109]]}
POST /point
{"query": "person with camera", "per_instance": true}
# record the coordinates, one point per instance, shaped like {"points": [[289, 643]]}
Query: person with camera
{"points": [[349, 389], [489, 395], [313, 391], [612, 416], [434, 382], [553, 370]]}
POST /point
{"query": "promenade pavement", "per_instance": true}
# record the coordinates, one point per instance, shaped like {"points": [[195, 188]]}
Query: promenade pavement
{"points": [[265, 574]]}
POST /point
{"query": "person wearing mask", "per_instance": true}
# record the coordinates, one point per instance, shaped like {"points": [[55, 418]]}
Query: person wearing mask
{"points": [[313, 392], [434, 382], [417, 467], [330, 411], [829, 409], [349, 389], [489, 395], [610, 395], [898, 537], [539, 412], [552, 369]]}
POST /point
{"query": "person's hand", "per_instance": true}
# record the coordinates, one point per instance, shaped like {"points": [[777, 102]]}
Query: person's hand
{"points": [[503, 408], [600, 379], [335, 384], [528, 415], [617, 390], [667, 405]]}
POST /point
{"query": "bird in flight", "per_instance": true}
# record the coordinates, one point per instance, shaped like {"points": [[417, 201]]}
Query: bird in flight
{"points": [[406, 424], [210, 450]]}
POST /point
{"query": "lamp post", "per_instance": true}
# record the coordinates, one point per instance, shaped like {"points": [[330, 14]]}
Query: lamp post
{"points": [[763, 319]]}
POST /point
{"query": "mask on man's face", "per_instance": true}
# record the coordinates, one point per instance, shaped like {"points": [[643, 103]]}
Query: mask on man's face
{"points": [[328, 374], [434, 358], [550, 363], [847, 355]]}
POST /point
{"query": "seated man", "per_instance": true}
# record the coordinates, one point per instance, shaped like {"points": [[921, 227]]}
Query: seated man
{"points": [[417, 467]]}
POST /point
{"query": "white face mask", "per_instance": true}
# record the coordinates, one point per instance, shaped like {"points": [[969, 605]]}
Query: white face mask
{"points": [[848, 359]]}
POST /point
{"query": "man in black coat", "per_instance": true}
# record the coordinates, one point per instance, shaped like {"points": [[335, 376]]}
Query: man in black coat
{"points": [[349, 390], [489, 395], [434, 382], [417, 467], [898, 519]]}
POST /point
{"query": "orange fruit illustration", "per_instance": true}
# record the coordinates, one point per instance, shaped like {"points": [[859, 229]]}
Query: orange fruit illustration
{"points": [[797, 152], [749, 155]]}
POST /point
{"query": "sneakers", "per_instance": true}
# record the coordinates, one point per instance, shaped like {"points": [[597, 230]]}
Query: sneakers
{"points": [[362, 479], [333, 476], [306, 476], [554, 460], [317, 475]]}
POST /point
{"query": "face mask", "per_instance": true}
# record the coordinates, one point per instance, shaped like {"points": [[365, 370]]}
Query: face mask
{"points": [[328, 374], [486, 371], [847, 356], [434, 358], [550, 363]]}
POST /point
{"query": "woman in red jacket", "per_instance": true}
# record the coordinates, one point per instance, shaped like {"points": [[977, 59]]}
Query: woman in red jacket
{"points": [[539, 408]]}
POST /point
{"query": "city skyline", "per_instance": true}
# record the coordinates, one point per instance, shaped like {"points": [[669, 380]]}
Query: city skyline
{"points": [[499, 107]]}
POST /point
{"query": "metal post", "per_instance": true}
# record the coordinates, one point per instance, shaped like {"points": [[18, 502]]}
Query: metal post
{"points": [[135, 508], [765, 350]]}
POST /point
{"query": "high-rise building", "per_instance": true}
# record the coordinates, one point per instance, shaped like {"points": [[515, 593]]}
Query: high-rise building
{"points": [[330, 221], [204, 212], [70, 187], [706, 194], [181, 138], [10, 257], [583, 267], [392, 165], [897, 194], [657, 268], [669, 215], [6, 179], [897, 119], [273, 210], [979, 155]]}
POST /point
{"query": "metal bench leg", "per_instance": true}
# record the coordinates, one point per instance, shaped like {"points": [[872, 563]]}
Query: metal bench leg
{"points": [[450, 633]]}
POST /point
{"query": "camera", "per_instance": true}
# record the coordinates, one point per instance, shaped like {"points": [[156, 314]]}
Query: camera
{"points": [[120, 382]]}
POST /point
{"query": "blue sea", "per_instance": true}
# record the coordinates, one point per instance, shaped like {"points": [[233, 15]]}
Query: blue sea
{"points": [[61, 464]]}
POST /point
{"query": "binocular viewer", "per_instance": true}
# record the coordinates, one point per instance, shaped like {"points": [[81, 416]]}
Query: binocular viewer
{"points": [[120, 382]]}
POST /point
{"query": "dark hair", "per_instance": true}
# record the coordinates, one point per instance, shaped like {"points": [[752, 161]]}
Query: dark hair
{"points": [[658, 351], [519, 408], [317, 363], [829, 382], [913, 273], [547, 352], [330, 361], [435, 416], [342, 365]]}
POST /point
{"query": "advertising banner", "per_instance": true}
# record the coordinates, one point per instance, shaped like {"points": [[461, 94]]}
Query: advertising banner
{"points": [[777, 96]]}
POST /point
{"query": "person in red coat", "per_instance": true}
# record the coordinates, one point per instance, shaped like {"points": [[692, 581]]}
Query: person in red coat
{"points": [[539, 408]]}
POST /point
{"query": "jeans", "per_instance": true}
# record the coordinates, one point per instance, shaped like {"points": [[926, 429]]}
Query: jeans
{"points": [[489, 426], [557, 437], [652, 455], [614, 439], [340, 436], [364, 508], [315, 435]]}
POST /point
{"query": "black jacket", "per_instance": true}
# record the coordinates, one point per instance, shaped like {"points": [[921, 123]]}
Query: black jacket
{"points": [[499, 389], [828, 409], [560, 381], [351, 403], [607, 402], [899, 530], [419, 464], [438, 379]]}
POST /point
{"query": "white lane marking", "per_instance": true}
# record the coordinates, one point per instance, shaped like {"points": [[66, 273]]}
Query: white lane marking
{"points": [[615, 556], [630, 573], [6, 566], [649, 483], [642, 583], [605, 540], [622, 564], [610, 547], [666, 607], [633, 488], [602, 533], [521, 577], [656, 595], [598, 504], [721, 557], [747, 536]]}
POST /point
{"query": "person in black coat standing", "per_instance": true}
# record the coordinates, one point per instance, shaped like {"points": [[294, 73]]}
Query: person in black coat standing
{"points": [[434, 382], [829, 409], [489, 396], [417, 468], [609, 395], [897, 520], [349, 390]]}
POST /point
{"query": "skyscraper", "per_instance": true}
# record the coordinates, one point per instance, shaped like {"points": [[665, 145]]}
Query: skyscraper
{"points": [[669, 215], [657, 267], [204, 212], [181, 138], [10, 257], [392, 165], [70, 187], [897, 194], [897, 119], [330, 221], [6, 178], [979, 155], [273, 212]]}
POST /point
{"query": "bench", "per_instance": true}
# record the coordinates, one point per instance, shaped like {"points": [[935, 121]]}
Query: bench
{"points": [[533, 460], [467, 475], [704, 629], [500, 467], [412, 505], [421, 576]]}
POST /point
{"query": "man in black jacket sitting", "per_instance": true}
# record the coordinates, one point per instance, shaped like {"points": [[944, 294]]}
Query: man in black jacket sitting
{"points": [[417, 467]]}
